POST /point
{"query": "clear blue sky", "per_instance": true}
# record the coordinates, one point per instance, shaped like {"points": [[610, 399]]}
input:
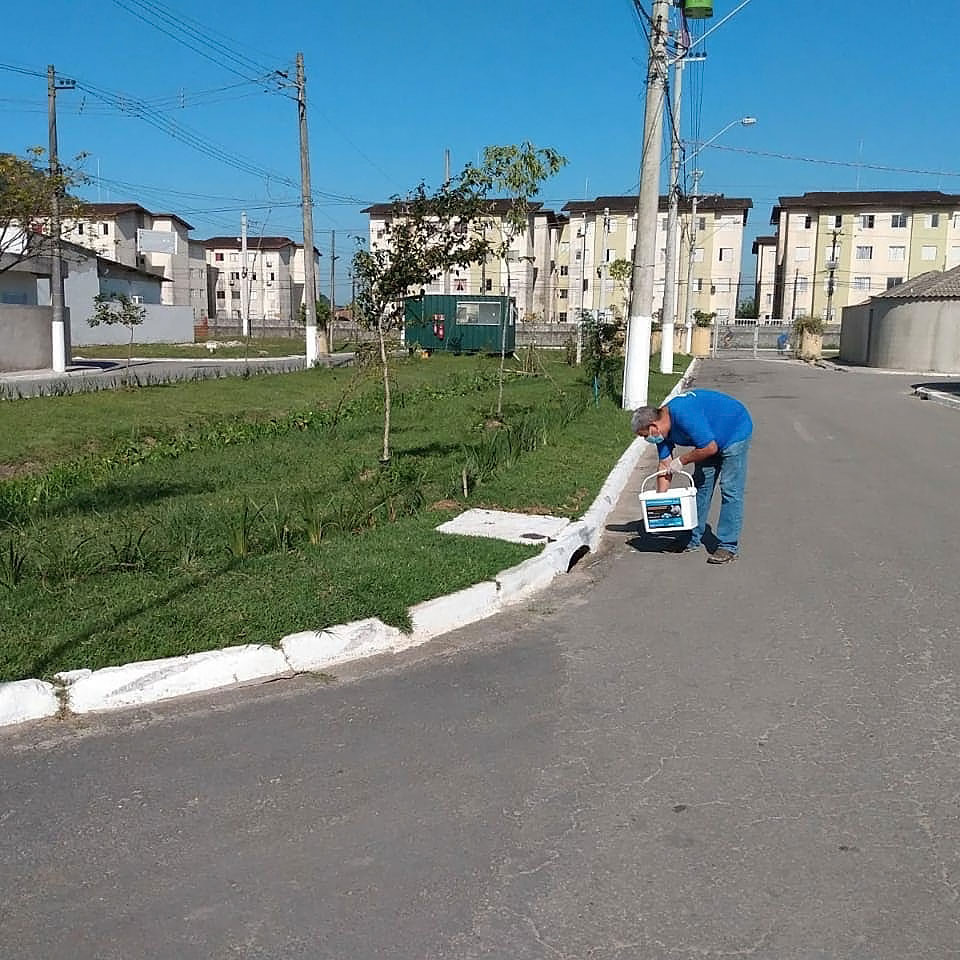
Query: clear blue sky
{"points": [[391, 85]]}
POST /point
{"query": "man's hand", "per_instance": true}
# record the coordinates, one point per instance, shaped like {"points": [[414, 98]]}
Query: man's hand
{"points": [[676, 464]]}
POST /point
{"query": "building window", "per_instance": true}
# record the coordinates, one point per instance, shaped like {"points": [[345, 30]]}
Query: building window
{"points": [[698, 254], [562, 316], [610, 255], [234, 275], [867, 221], [861, 283], [894, 282], [701, 224], [564, 270], [831, 254], [379, 233], [928, 252], [726, 254], [807, 222], [105, 229], [933, 221], [956, 221], [723, 285], [801, 253], [577, 254], [663, 223], [234, 294], [898, 221], [234, 257], [218, 258], [611, 223], [803, 284], [838, 221], [272, 275], [488, 286], [563, 294], [699, 285], [897, 253], [221, 295], [865, 253], [723, 314]]}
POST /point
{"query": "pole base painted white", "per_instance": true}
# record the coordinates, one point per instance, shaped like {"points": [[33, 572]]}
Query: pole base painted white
{"points": [[312, 351], [59, 344], [688, 338], [666, 349], [636, 365]]}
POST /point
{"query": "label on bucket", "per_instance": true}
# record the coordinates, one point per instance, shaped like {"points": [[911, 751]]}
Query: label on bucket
{"points": [[662, 514]]}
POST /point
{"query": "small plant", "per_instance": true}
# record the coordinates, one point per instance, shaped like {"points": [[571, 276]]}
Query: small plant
{"points": [[118, 308], [13, 564], [313, 517], [280, 528], [129, 553], [240, 539], [570, 351], [703, 319], [812, 325]]}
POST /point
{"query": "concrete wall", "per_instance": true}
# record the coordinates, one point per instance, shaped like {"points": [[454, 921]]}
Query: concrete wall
{"points": [[903, 335], [162, 324], [25, 340]]}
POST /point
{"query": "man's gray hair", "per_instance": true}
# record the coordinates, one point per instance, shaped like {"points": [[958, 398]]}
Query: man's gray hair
{"points": [[643, 417]]}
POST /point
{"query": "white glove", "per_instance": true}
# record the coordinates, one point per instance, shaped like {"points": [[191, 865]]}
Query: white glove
{"points": [[676, 465]]}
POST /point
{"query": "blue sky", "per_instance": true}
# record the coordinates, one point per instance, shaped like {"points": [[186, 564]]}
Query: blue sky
{"points": [[392, 84]]}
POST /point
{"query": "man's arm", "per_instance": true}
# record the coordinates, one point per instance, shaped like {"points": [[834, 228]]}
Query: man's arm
{"points": [[663, 482], [695, 456]]}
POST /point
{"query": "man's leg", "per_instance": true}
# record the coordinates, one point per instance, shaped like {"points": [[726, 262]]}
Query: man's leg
{"points": [[733, 482], [705, 480]]}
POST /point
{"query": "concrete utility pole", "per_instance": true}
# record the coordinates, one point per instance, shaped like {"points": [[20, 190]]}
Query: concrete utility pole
{"points": [[333, 285], [446, 181], [833, 269], [58, 326], [688, 321], [583, 278], [670, 266], [244, 283], [316, 340], [636, 373]]}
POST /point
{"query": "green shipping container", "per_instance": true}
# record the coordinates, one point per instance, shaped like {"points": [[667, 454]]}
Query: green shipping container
{"points": [[460, 324]]}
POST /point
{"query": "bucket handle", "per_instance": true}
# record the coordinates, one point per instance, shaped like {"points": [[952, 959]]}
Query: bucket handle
{"points": [[664, 473]]}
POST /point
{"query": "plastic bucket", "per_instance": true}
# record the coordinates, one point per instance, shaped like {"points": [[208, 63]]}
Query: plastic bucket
{"points": [[672, 511]]}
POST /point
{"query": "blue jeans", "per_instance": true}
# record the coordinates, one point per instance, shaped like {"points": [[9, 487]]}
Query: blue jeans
{"points": [[729, 466]]}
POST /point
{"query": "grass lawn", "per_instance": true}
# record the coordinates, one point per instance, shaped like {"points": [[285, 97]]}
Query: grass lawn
{"points": [[242, 347], [167, 520]]}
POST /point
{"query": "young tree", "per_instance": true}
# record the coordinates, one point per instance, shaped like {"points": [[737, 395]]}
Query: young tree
{"points": [[519, 172], [118, 308], [427, 234], [26, 198]]}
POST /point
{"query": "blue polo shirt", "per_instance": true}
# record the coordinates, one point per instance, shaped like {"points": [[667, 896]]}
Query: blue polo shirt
{"points": [[702, 416]]}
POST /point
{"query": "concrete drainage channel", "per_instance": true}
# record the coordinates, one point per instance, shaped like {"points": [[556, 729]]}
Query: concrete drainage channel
{"points": [[149, 681]]}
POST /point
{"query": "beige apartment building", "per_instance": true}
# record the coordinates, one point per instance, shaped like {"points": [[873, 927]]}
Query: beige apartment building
{"points": [[838, 249], [274, 277], [158, 243], [560, 264]]}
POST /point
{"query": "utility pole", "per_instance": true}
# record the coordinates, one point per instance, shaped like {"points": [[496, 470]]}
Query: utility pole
{"points": [[316, 339], [793, 305], [333, 284], [583, 277], [636, 373], [244, 283], [58, 312], [833, 269], [688, 320], [670, 266]]}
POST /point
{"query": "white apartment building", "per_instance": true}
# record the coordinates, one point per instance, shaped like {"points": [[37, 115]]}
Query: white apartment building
{"points": [[559, 265], [837, 249], [765, 250], [156, 242], [274, 275]]}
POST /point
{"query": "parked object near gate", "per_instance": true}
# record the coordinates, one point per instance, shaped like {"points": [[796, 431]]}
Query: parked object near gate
{"points": [[460, 324]]}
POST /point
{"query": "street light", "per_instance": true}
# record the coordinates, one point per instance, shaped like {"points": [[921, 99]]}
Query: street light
{"points": [[743, 121]]}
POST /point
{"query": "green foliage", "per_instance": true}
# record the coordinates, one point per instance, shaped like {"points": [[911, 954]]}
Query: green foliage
{"points": [[26, 205], [747, 309], [602, 340], [324, 312], [814, 325], [703, 319]]}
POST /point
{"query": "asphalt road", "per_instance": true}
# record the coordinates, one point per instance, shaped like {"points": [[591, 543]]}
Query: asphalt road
{"points": [[657, 758]]}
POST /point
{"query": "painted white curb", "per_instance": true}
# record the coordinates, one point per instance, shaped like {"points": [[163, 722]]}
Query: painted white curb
{"points": [[23, 700], [152, 680], [149, 681], [315, 650]]}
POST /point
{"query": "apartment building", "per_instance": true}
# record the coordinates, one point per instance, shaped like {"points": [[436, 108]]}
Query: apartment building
{"points": [[837, 249], [765, 250], [274, 276], [155, 242], [532, 258], [604, 230], [560, 264]]}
